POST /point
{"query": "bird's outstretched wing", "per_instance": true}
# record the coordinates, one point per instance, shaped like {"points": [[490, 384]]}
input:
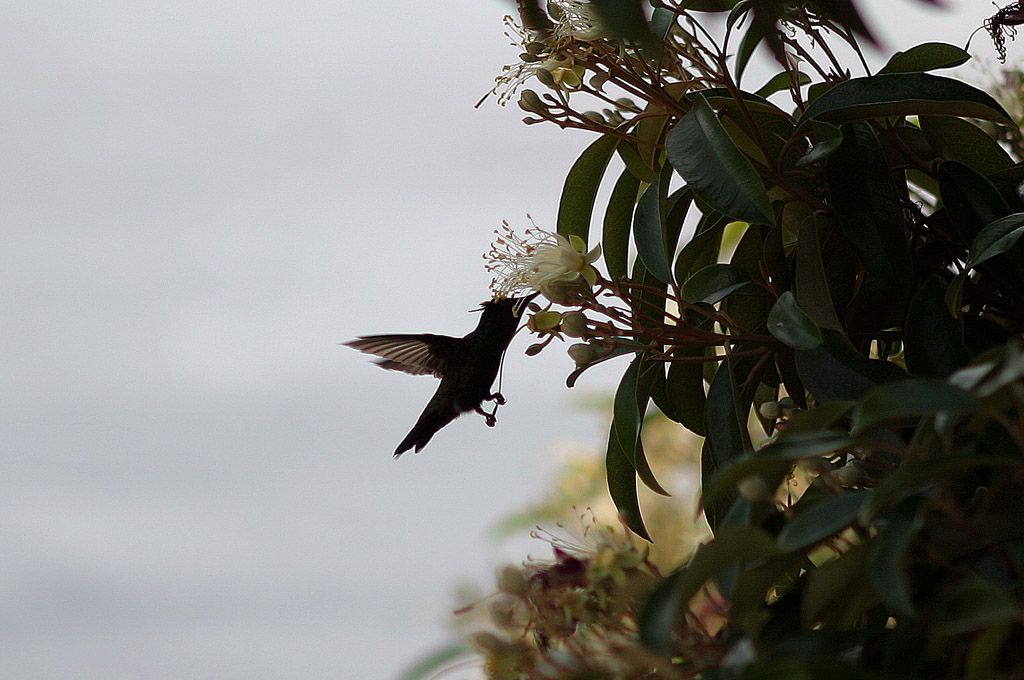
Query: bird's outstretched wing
{"points": [[422, 354]]}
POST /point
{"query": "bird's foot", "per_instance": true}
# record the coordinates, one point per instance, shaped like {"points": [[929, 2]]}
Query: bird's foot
{"points": [[489, 418], [497, 398]]}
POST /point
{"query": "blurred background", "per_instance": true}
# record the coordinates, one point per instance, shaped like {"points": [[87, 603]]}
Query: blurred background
{"points": [[200, 200]]}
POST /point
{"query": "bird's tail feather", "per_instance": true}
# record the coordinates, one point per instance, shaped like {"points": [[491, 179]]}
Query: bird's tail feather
{"points": [[425, 428]]}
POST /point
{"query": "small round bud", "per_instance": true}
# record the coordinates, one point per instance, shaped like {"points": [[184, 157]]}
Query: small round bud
{"points": [[512, 581], [753, 488], [529, 101], [626, 104], [770, 409], [536, 48], [582, 353], [574, 324], [488, 643], [534, 350], [546, 78], [788, 404], [594, 117], [544, 322], [851, 474]]}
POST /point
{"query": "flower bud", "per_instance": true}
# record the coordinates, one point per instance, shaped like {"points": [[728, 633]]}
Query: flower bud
{"points": [[753, 488], [529, 101], [594, 116], [512, 581], [546, 78], [574, 324], [582, 353], [544, 322], [770, 409]]}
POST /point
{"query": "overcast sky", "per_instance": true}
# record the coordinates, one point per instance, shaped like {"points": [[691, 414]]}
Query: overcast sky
{"points": [[200, 201]]}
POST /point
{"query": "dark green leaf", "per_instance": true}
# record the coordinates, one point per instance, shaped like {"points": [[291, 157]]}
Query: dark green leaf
{"points": [[648, 232], [772, 462], [996, 238], [972, 604], [714, 283], [811, 281], [913, 398], [788, 323], [703, 153], [671, 599], [889, 552], [836, 591], [903, 94], [702, 249], [617, 219], [623, 19], [868, 207], [956, 139], [626, 416], [622, 486], [811, 421], [933, 341], [925, 57], [581, 185], [684, 390], [781, 81], [835, 371], [822, 519], [725, 422], [630, 405]]}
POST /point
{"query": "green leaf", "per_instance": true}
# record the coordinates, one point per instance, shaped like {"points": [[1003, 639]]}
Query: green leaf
{"points": [[781, 81], [973, 604], [933, 341], [622, 486], [836, 591], [925, 57], [772, 462], [617, 218], [868, 207], [714, 283], [812, 421], [671, 599], [702, 249], [684, 395], [629, 408], [626, 418], [725, 422], [971, 201], [703, 153], [811, 281], [835, 371], [623, 18], [581, 185], [889, 549], [788, 323], [903, 94], [648, 232], [822, 519], [960, 140], [913, 398], [996, 238]]}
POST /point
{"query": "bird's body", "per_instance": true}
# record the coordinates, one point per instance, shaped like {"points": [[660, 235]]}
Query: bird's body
{"points": [[467, 366]]}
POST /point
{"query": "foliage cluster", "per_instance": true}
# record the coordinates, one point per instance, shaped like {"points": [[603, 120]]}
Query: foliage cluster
{"points": [[864, 328]]}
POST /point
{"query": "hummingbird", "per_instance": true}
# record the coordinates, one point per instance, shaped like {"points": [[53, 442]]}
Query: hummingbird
{"points": [[467, 366]]}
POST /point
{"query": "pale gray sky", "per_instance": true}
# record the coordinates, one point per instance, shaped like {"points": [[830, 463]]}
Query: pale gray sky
{"points": [[199, 201]]}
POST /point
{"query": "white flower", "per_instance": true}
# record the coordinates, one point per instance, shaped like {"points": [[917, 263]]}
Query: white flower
{"points": [[578, 21], [542, 262]]}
